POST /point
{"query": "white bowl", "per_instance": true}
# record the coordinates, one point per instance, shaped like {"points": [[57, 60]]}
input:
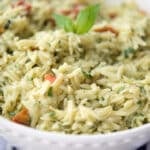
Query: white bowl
{"points": [[26, 138], [29, 139]]}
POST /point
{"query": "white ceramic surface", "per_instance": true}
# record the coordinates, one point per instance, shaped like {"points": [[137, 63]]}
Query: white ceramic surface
{"points": [[29, 139]]}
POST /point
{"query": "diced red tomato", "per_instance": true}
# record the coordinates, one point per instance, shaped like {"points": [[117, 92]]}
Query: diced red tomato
{"points": [[144, 13], [107, 29], [73, 11], [113, 15], [50, 78], [66, 12], [27, 6], [20, 2]]}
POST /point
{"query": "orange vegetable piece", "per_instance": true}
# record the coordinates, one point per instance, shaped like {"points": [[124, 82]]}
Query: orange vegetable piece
{"points": [[22, 117], [144, 13]]}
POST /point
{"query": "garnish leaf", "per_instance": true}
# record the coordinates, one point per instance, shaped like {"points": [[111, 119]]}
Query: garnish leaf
{"points": [[64, 22], [86, 18]]}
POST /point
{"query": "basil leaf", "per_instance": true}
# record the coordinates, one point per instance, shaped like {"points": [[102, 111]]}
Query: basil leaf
{"points": [[86, 18], [64, 22], [83, 23]]}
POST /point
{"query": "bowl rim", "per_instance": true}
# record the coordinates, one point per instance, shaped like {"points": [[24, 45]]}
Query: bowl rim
{"points": [[59, 136]]}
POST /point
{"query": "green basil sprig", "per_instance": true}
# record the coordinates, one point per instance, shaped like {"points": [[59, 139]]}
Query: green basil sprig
{"points": [[83, 23]]}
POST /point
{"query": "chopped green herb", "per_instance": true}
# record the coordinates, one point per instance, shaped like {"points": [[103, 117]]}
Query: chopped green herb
{"points": [[139, 102], [87, 74], [85, 20], [16, 65], [1, 110], [102, 98], [1, 95], [55, 54], [7, 25], [115, 107], [29, 78], [49, 44], [127, 52], [52, 114], [12, 113], [35, 65], [142, 89], [9, 51], [142, 101], [50, 92], [28, 60], [120, 89], [1, 92], [99, 40], [1, 98], [103, 101], [140, 114], [80, 45], [145, 120]]}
